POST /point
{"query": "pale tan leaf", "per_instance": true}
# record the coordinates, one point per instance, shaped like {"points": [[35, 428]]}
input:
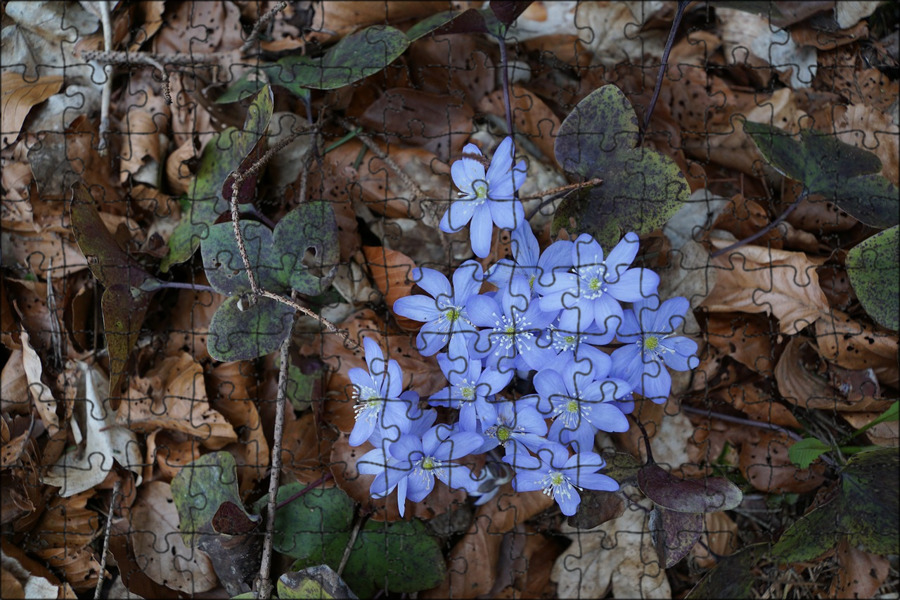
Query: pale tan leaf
{"points": [[158, 546], [44, 402], [19, 96]]}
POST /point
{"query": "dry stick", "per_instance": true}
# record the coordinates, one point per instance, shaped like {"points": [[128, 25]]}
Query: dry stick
{"points": [[242, 248], [762, 231], [103, 5], [112, 505], [555, 192], [349, 547], [265, 586], [262, 22]]}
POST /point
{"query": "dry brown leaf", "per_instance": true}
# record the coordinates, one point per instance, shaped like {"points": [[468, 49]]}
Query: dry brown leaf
{"points": [[151, 12], [188, 325], [747, 338], [19, 96], [802, 381], [173, 396], [471, 565], [532, 118], [885, 434], [874, 130], [765, 464], [860, 573], [754, 279], [390, 270], [14, 397], [416, 118], [178, 174], [306, 448], [342, 18], [146, 118], [43, 399], [719, 538], [852, 345], [169, 451], [453, 66], [33, 578], [158, 546]]}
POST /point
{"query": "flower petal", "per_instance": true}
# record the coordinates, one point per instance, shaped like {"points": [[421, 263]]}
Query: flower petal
{"points": [[480, 231], [634, 285], [622, 255]]}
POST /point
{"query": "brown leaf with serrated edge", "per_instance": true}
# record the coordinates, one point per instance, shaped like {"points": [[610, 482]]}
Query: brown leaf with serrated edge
{"points": [[19, 96], [756, 279], [172, 395]]}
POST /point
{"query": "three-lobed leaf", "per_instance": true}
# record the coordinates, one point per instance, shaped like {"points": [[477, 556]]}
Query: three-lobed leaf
{"points": [[641, 188]]}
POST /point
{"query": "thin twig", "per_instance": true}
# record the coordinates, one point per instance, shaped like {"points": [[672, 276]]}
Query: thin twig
{"points": [[112, 505], [262, 22], [775, 223], [239, 178], [108, 71], [265, 586], [504, 62], [314, 485], [159, 62], [664, 63], [349, 547], [371, 145], [554, 193], [740, 421]]}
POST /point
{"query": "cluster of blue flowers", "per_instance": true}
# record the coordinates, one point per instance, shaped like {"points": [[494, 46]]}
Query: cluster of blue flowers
{"points": [[549, 316]]}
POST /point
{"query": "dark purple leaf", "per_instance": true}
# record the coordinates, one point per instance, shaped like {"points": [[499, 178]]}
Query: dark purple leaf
{"points": [[508, 11], [674, 534], [232, 519], [712, 494]]}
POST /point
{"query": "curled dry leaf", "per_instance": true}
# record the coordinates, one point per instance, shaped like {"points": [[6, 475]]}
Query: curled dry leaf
{"points": [[764, 462], [19, 96], [160, 550], [190, 318], [719, 538], [43, 399], [24, 577], [168, 452], [755, 279], [141, 153], [173, 396], [803, 381], [852, 345]]}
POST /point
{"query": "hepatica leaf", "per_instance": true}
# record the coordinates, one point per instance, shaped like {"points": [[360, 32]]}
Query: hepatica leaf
{"points": [[874, 269], [315, 528], [353, 58], [641, 188], [674, 533], [246, 327], [866, 510], [309, 231], [222, 259], [844, 174], [688, 495], [224, 153]]}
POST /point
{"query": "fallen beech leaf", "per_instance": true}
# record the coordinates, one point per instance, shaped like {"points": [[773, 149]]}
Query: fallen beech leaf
{"points": [[766, 465], [159, 547], [720, 538], [860, 574], [390, 270], [855, 346], [19, 96], [44, 402], [755, 279]]}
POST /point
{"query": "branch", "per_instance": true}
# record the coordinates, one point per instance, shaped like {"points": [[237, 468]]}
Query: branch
{"points": [[262, 22], [112, 506], [107, 85]]}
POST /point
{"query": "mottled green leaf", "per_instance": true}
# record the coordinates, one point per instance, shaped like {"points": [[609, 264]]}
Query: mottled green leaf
{"points": [[222, 259], [247, 327], [314, 528], [314, 583], [804, 452], [355, 57], [874, 269], [641, 188], [844, 174], [200, 488], [308, 231], [225, 152]]}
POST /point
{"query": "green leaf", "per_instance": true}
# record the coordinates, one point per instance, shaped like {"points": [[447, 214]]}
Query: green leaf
{"points": [[225, 152], [891, 414], [247, 86], [804, 452], [874, 269], [400, 557], [355, 57], [200, 488], [842, 173], [314, 528], [222, 259], [865, 510], [309, 230], [641, 189], [246, 327]]}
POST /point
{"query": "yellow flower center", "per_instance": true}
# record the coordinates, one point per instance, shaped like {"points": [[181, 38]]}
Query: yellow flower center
{"points": [[481, 191], [468, 393], [572, 406], [452, 314], [594, 284], [502, 434], [557, 478], [651, 342], [427, 463]]}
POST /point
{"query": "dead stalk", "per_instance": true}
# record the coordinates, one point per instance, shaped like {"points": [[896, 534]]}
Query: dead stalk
{"points": [[112, 506], [262, 22], [107, 85]]}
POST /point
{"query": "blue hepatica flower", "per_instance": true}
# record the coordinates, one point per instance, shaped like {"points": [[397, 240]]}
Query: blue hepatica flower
{"points": [[444, 313], [520, 427], [377, 393], [417, 461], [648, 332], [512, 324], [485, 199], [574, 346], [525, 259], [590, 292], [560, 475], [581, 401], [469, 390]]}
